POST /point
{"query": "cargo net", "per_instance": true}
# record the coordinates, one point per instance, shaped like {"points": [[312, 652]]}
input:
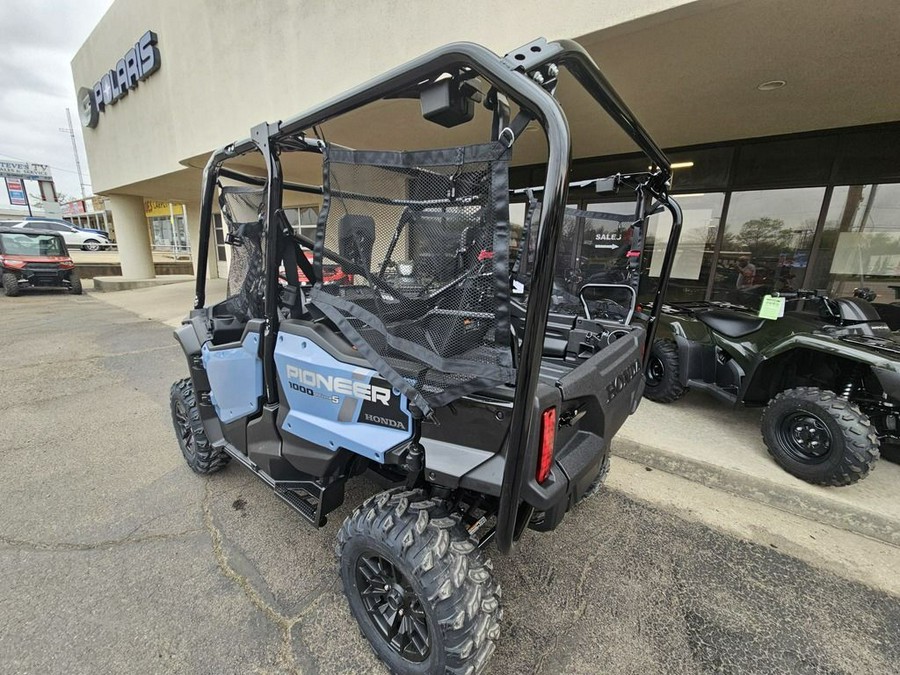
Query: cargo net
{"points": [[243, 210], [423, 238], [594, 247]]}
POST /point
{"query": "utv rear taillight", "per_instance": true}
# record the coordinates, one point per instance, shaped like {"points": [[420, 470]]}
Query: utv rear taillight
{"points": [[66, 265], [548, 440]]}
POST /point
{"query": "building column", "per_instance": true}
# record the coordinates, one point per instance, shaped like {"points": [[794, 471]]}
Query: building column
{"points": [[132, 237], [192, 218]]}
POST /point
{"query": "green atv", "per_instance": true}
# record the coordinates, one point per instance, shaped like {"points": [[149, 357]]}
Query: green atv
{"points": [[828, 372]]}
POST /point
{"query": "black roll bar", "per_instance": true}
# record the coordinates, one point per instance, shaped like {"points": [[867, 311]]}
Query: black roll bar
{"points": [[514, 76]]}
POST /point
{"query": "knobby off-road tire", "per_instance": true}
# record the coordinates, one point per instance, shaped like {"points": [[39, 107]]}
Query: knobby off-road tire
{"points": [[75, 281], [195, 446], [819, 437], [11, 285], [597, 485], [662, 383], [433, 571]]}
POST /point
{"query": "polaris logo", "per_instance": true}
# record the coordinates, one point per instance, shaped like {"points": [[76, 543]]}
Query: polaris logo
{"points": [[384, 421], [621, 380], [338, 385]]}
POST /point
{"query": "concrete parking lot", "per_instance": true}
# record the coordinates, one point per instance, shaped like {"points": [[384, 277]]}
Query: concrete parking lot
{"points": [[116, 558]]}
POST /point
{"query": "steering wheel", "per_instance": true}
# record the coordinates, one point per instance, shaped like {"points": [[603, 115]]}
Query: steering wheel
{"points": [[607, 310]]}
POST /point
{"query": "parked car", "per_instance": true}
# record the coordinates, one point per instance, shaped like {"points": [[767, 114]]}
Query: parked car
{"points": [[35, 259], [74, 237]]}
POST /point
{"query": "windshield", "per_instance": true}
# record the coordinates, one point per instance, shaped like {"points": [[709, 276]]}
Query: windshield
{"points": [[31, 244]]}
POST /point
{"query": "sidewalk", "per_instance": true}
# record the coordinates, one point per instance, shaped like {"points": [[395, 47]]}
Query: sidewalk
{"points": [[696, 438]]}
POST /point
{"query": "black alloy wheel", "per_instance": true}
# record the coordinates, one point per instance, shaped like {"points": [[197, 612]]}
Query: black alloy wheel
{"points": [[393, 607], [183, 427], [805, 436]]}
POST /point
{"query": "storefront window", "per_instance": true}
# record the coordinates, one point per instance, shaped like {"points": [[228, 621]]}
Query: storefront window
{"points": [[860, 243], [766, 244], [693, 257], [169, 234], [303, 219]]}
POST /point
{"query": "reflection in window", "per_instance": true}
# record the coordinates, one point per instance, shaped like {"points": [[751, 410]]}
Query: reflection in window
{"points": [[861, 241], [766, 244], [693, 257]]}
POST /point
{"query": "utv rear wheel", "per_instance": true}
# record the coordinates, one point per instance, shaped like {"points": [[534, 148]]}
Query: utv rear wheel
{"points": [[597, 485], [819, 437], [423, 594], [195, 446], [11, 285], [75, 287], [662, 379]]}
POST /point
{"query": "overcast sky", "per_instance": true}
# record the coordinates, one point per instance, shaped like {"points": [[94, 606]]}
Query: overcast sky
{"points": [[38, 39]]}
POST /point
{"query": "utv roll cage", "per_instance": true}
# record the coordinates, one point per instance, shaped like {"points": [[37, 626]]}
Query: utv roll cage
{"points": [[528, 77]]}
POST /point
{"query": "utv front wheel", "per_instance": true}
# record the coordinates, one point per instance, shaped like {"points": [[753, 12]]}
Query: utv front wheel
{"points": [[200, 455], [663, 384], [11, 285], [75, 287], [819, 437], [423, 594]]}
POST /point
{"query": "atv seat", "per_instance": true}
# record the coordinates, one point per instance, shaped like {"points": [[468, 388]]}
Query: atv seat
{"points": [[730, 323]]}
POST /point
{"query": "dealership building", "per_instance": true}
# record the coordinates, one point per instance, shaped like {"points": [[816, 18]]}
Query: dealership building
{"points": [[782, 119]]}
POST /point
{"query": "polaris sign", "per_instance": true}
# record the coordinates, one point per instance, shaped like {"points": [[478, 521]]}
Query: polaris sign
{"points": [[138, 63]]}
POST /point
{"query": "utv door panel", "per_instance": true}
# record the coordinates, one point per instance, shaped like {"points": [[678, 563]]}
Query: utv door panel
{"points": [[334, 404], [235, 377]]}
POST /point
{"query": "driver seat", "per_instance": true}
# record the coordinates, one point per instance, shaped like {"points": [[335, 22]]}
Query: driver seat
{"points": [[730, 323]]}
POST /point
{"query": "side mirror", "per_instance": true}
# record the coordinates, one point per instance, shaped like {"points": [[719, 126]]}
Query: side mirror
{"points": [[608, 302]]}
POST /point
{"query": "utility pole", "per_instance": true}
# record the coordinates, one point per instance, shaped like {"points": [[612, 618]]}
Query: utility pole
{"points": [[71, 132]]}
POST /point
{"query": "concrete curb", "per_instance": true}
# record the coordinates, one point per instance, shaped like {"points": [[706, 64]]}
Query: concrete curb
{"points": [[812, 507], [112, 284]]}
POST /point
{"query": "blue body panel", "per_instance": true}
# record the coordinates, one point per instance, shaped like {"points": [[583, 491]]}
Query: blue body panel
{"points": [[235, 378], [338, 405]]}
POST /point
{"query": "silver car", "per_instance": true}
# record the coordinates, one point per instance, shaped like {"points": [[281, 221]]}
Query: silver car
{"points": [[75, 238]]}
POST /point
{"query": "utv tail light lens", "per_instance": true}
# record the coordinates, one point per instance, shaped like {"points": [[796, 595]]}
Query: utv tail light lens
{"points": [[66, 264], [548, 440]]}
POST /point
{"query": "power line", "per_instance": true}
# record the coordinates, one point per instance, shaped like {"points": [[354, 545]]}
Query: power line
{"points": [[57, 168]]}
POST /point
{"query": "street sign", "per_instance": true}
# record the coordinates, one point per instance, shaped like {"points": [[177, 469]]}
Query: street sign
{"points": [[15, 187], [24, 170]]}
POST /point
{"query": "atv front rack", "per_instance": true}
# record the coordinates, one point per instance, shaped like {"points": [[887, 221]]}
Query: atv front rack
{"points": [[528, 77]]}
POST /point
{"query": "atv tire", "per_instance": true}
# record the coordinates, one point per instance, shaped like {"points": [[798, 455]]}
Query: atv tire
{"points": [[11, 285], [200, 455], [403, 551], [662, 375], [819, 437], [75, 285]]}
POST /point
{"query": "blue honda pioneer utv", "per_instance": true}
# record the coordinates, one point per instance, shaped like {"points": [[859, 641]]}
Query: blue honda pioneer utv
{"points": [[427, 360]]}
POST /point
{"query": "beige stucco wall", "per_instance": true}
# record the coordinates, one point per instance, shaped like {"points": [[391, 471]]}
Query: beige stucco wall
{"points": [[229, 65]]}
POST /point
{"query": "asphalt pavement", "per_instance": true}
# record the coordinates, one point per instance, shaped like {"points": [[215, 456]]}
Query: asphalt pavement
{"points": [[116, 558]]}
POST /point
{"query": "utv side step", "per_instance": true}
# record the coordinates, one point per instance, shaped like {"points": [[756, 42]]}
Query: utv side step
{"points": [[307, 497], [312, 500]]}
